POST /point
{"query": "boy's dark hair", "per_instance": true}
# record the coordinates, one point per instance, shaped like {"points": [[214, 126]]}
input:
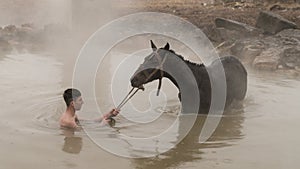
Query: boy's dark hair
{"points": [[70, 95]]}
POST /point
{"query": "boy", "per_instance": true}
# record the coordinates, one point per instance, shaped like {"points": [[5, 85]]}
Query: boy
{"points": [[74, 102]]}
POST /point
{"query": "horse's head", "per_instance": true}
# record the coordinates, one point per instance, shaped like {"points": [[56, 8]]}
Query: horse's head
{"points": [[152, 67]]}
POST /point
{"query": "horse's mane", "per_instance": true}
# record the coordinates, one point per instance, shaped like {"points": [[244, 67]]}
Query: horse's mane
{"points": [[181, 57]]}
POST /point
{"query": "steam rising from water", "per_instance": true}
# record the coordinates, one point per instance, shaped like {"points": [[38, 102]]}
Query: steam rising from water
{"points": [[39, 12], [82, 17]]}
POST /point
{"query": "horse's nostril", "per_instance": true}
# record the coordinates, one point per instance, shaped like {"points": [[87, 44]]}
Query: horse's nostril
{"points": [[134, 82]]}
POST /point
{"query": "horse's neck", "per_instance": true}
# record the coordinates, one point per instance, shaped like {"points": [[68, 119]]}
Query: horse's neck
{"points": [[183, 77], [178, 69]]}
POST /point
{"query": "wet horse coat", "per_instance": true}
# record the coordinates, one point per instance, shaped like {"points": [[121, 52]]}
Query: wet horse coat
{"points": [[235, 75]]}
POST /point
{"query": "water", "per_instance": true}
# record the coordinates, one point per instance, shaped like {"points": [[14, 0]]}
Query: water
{"points": [[262, 134]]}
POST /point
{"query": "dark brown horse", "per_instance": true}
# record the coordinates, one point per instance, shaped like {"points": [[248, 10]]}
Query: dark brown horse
{"points": [[154, 68]]}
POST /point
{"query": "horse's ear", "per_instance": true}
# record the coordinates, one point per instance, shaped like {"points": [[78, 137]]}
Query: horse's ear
{"points": [[153, 46], [167, 46]]}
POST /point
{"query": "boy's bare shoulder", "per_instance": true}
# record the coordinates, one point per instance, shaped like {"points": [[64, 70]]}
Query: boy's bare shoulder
{"points": [[67, 122]]}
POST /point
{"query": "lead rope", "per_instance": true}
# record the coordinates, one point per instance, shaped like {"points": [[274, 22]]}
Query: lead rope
{"points": [[128, 96], [124, 101], [125, 98]]}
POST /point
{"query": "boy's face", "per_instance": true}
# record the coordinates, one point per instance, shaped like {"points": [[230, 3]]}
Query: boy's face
{"points": [[77, 103]]}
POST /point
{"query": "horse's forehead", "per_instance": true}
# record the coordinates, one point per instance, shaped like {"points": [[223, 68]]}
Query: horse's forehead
{"points": [[159, 53], [151, 56]]}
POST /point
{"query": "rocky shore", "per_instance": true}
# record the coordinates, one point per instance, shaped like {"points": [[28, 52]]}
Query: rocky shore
{"points": [[271, 45], [263, 35]]}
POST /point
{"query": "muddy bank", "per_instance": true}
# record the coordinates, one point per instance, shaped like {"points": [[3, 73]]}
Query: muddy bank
{"points": [[244, 28], [203, 13], [235, 27]]}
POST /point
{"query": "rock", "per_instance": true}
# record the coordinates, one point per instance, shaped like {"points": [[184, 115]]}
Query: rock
{"points": [[272, 42], [229, 30], [249, 53], [228, 35], [286, 41], [231, 35], [212, 33], [247, 50], [281, 43], [281, 51], [236, 26], [277, 7], [289, 33], [10, 29], [291, 58], [237, 48], [291, 73], [268, 59], [272, 23]]}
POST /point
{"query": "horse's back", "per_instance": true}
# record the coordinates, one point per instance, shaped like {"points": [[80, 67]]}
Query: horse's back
{"points": [[236, 77]]}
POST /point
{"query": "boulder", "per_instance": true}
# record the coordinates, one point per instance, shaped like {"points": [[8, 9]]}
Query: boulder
{"points": [[228, 35], [247, 50], [10, 29], [289, 33], [238, 47], [272, 23], [277, 7], [236, 26], [250, 52], [281, 51], [291, 58], [268, 59]]}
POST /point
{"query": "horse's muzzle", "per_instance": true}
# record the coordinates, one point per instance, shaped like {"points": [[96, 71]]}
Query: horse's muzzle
{"points": [[136, 83]]}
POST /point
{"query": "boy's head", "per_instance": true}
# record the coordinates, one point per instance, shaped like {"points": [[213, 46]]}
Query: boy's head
{"points": [[73, 98]]}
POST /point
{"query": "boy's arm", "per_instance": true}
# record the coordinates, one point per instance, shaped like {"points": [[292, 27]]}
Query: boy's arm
{"points": [[106, 116]]}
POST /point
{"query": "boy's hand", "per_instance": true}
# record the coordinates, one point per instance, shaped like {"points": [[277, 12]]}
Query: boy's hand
{"points": [[112, 113], [110, 121]]}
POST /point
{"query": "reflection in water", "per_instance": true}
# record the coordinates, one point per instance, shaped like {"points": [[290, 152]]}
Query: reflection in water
{"points": [[72, 143], [190, 150], [31, 104]]}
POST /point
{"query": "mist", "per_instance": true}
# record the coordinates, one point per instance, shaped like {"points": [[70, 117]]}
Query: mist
{"points": [[81, 18], [38, 12]]}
